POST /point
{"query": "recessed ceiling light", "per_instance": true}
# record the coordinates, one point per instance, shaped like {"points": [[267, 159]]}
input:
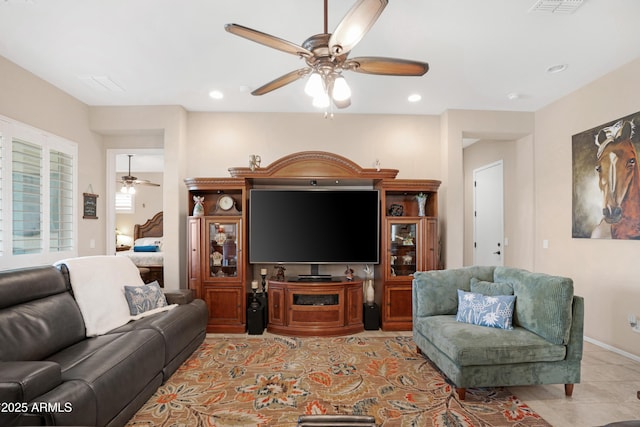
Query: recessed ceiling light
{"points": [[216, 94], [513, 96], [415, 97], [556, 68]]}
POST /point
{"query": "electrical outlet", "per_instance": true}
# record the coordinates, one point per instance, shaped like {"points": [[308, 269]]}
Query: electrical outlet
{"points": [[92, 243]]}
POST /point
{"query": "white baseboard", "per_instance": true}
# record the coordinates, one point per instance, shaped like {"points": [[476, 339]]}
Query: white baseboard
{"points": [[613, 349]]}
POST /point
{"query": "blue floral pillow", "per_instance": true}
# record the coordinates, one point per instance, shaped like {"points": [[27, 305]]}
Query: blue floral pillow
{"points": [[144, 298], [477, 309]]}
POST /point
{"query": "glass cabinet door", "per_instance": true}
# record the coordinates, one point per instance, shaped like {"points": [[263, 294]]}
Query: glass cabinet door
{"points": [[224, 245], [403, 243]]}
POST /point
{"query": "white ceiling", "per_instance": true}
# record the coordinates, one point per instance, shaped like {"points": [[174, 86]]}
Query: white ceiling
{"points": [[140, 163], [174, 52]]}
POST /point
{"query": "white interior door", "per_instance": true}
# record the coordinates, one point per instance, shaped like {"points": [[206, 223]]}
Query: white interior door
{"points": [[488, 218]]}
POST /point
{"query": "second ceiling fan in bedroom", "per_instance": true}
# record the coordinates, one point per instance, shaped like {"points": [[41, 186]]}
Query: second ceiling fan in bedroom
{"points": [[129, 182], [326, 56]]}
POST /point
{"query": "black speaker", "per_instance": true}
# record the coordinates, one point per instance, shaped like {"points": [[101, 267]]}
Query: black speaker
{"points": [[264, 302], [255, 318], [371, 313]]}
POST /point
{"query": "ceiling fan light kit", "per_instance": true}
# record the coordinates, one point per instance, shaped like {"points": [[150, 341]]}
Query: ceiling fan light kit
{"points": [[126, 188], [326, 56]]}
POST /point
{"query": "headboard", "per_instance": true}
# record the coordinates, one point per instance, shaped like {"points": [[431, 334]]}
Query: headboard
{"points": [[151, 228]]}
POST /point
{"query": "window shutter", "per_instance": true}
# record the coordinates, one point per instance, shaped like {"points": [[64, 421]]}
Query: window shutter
{"points": [[26, 168], [124, 203], [60, 201]]}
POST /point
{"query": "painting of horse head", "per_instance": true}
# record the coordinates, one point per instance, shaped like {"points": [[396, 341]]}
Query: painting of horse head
{"points": [[619, 181]]}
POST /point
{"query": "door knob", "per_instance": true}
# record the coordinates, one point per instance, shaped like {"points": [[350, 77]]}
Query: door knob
{"points": [[497, 253]]}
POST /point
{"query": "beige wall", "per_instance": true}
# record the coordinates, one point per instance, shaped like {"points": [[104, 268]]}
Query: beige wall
{"points": [[206, 144], [28, 99], [218, 141], [518, 197], [170, 123], [605, 272], [459, 124]]}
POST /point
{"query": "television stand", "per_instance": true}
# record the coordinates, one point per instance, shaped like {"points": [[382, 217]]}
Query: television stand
{"points": [[315, 308]]}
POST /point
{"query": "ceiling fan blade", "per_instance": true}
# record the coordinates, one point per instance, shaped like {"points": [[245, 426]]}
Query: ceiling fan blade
{"points": [[267, 40], [145, 182], [281, 81], [387, 66], [357, 22]]}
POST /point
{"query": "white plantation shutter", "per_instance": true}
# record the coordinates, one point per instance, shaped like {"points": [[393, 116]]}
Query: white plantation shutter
{"points": [[125, 202], [38, 196], [60, 201], [26, 170]]}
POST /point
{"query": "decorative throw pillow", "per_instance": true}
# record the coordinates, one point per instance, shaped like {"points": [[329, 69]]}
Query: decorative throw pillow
{"points": [[477, 309], [490, 288], [150, 248], [144, 298]]}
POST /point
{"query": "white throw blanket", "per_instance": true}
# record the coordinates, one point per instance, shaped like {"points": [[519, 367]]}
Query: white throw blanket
{"points": [[97, 283]]}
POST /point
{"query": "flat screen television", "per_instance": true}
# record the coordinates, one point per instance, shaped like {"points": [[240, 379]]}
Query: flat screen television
{"points": [[314, 226]]}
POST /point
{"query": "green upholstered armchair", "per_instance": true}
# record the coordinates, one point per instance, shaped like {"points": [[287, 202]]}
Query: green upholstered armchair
{"points": [[544, 346]]}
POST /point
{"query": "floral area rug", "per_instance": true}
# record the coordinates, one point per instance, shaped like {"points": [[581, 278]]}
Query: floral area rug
{"points": [[270, 381]]}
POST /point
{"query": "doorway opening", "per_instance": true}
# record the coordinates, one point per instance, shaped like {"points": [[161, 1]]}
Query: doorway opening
{"points": [[142, 203]]}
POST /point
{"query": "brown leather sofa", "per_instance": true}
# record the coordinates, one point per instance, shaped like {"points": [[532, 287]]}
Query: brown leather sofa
{"points": [[52, 374]]}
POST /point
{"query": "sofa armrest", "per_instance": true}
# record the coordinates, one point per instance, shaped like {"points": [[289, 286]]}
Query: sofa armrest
{"points": [[25, 380], [576, 335], [179, 296]]}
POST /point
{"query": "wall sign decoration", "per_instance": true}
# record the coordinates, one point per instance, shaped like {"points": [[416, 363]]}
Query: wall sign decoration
{"points": [[89, 206], [606, 180]]}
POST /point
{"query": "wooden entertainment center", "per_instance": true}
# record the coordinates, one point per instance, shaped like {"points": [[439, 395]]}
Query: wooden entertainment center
{"points": [[219, 271]]}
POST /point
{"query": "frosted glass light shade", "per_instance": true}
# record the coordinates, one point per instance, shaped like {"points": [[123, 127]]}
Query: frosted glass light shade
{"points": [[314, 86], [341, 90]]}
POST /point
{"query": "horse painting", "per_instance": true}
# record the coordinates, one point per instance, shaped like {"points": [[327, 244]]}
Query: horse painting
{"points": [[619, 182]]}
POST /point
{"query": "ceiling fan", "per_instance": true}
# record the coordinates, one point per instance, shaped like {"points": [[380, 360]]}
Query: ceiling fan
{"points": [[326, 56], [129, 182]]}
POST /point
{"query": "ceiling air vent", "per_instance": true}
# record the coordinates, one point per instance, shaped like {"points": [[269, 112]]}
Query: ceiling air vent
{"points": [[102, 83], [556, 6]]}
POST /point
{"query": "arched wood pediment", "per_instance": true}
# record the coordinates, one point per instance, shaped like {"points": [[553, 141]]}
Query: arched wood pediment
{"points": [[313, 164]]}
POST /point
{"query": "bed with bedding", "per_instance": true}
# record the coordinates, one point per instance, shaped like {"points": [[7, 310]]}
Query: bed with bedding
{"points": [[146, 252]]}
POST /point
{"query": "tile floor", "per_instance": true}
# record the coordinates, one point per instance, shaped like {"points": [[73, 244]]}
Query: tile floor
{"points": [[608, 391]]}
